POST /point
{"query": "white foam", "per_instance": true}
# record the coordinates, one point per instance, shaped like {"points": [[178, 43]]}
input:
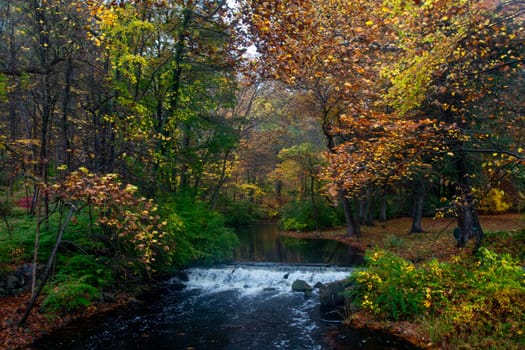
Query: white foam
{"points": [[255, 278]]}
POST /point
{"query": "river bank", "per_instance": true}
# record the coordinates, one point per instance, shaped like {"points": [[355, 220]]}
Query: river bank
{"points": [[40, 325], [436, 243]]}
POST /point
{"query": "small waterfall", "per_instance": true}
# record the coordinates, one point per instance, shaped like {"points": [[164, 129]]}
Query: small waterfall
{"points": [[254, 278]]}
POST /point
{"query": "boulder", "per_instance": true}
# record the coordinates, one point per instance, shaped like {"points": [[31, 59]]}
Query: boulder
{"points": [[17, 281], [302, 286], [332, 294], [334, 303], [14, 282], [182, 276]]}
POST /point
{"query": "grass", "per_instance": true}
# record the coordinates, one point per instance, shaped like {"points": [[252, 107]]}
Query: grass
{"points": [[16, 249]]}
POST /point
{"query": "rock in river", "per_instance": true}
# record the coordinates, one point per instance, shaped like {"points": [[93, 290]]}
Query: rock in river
{"points": [[302, 286]]}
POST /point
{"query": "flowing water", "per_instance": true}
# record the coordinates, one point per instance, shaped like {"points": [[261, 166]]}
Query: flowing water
{"points": [[248, 304]]}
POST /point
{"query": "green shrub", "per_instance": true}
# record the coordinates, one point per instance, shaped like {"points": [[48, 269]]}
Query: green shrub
{"points": [[69, 296], [77, 283], [87, 268], [481, 299], [389, 286], [293, 224], [199, 234], [303, 216], [243, 212]]}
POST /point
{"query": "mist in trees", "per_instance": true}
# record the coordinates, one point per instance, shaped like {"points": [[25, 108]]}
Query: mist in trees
{"points": [[360, 111], [409, 95]]}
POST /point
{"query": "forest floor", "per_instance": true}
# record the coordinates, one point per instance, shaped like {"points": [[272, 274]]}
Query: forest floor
{"points": [[437, 242], [40, 324]]}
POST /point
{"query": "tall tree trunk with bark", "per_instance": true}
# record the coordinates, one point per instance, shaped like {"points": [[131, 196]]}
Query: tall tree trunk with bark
{"points": [[366, 216], [467, 215], [382, 210], [49, 266], [66, 103], [417, 209], [352, 225]]}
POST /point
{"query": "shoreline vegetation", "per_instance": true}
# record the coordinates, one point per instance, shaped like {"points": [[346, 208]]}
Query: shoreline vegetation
{"points": [[436, 243], [40, 324], [436, 248]]}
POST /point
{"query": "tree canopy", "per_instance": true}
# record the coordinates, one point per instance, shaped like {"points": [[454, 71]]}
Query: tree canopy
{"points": [[403, 85]]}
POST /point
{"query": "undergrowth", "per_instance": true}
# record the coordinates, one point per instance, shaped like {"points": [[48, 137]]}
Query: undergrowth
{"points": [[470, 300]]}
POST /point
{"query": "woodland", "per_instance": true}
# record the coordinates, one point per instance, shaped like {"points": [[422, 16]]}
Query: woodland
{"points": [[134, 134]]}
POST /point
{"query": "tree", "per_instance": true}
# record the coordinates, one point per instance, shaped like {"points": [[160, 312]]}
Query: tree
{"points": [[172, 69], [133, 232], [388, 65], [456, 55], [279, 119], [324, 48], [45, 49]]}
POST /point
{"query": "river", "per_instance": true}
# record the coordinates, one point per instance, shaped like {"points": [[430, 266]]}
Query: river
{"points": [[245, 304]]}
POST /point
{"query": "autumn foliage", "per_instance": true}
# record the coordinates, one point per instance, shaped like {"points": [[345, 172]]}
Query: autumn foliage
{"points": [[401, 86], [134, 230]]}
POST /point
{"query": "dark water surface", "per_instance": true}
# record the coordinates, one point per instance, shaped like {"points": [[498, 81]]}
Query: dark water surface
{"points": [[262, 242], [247, 304]]}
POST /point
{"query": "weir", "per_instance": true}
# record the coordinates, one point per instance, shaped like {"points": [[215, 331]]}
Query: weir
{"points": [[262, 277], [247, 304]]}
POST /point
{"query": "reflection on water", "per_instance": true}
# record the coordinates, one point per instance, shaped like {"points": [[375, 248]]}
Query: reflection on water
{"points": [[262, 242]]}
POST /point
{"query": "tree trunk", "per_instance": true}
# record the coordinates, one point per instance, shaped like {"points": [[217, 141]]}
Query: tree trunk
{"points": [[43, 163], [352, 225], [314, 203], [222, 179], [367, 217], [382, 211], [467, 215], [49, 265], [66, 102], [7, 225], [362, 209], [417, 209], [35, 252], [279, 193]]}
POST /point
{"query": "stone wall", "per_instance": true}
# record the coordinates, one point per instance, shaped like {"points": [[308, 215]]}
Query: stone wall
{"points": [[17, 281]]}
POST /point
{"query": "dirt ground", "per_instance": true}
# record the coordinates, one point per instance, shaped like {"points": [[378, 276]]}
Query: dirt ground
{"points": [[436, 242]]}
